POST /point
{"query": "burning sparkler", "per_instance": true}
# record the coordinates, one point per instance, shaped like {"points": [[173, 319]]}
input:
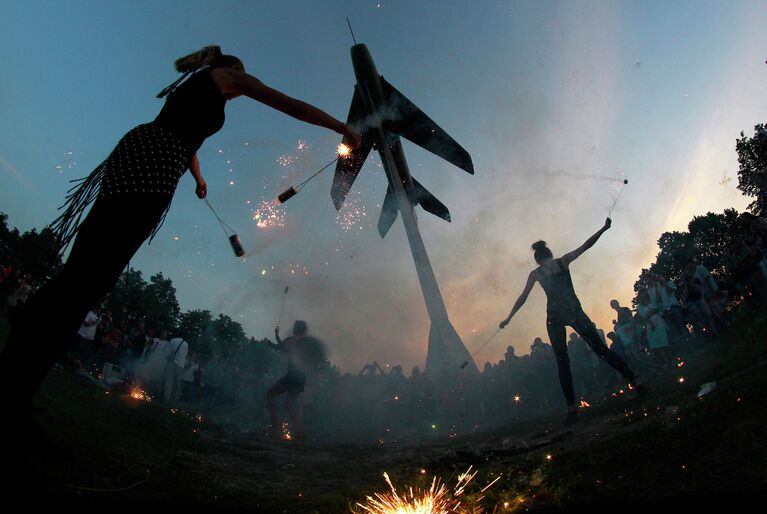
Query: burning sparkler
{"points": [[138, 394], [342, 152], [286, 435], [437, 499]]}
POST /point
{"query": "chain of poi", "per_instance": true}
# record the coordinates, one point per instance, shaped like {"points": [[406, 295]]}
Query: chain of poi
{"points": [[221, 222], [302, 184], [489, 339]]}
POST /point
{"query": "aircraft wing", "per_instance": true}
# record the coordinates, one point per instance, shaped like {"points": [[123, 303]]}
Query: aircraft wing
{"points": [[349, 167], [411, 123]]}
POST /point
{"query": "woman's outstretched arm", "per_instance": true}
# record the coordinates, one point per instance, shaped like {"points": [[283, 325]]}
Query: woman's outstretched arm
{"points": [[570, 257], [234, 82], [531, 280]]}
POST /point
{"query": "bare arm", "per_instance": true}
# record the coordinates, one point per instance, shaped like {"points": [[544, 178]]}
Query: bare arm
{"points": [[570, 257], [233, 82], [194, 167], [531, 280]]}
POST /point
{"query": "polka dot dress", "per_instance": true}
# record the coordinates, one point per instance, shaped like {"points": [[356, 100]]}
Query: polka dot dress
{"points": [[148, 159]]}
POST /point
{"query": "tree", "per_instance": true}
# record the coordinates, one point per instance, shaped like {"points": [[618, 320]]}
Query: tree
{"points": [[752, 172], [159, 303], [31, 252], [261, 357], [228, 335], [193, 327], [711, 234], [207, 336], [125, 299], [704, 242], [134, 299], [8, 236]]}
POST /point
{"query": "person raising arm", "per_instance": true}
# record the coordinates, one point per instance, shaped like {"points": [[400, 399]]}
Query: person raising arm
{"points": [[563, 309]]}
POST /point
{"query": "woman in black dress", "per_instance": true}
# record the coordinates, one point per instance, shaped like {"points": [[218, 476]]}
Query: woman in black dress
{"points": [[564, 309], [132, 190]]}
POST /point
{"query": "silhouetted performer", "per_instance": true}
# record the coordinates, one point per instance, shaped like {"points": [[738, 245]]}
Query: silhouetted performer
{"points": [[132, 190], [305, 355], [564, 309]]}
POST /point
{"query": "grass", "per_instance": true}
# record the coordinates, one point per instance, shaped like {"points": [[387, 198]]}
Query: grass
{"points": [[674, 450]]}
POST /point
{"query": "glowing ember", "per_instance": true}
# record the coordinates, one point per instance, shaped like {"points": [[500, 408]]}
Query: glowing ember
{"points": [[344, 150], [285, 160], [138, 394], [438, 499], [286, 435], [584, 404], [268, 215], [353, 213]]}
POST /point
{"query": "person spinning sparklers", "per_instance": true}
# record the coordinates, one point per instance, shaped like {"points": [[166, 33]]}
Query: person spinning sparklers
{"points": [[305, 354], [132, 190], [564, 309]]}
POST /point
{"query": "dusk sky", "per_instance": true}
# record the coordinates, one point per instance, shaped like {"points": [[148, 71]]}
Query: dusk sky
{"points": [[545, 96]]}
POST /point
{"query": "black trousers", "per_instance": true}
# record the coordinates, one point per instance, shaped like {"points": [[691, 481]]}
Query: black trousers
{"points": [[585, 328], [108, 237]]}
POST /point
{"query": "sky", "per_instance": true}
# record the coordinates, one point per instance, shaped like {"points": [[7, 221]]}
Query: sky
{"points": [[553, 100]]}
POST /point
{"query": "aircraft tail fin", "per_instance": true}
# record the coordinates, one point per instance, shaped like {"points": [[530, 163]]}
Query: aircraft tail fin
{"points": [[429, 202], [388, 212]]}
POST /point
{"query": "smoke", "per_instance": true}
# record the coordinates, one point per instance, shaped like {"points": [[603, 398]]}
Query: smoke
{"points": [[390, 111], [618, 178]]}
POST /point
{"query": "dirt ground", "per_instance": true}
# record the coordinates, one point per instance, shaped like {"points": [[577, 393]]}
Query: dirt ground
{"points": [[674, 450]]}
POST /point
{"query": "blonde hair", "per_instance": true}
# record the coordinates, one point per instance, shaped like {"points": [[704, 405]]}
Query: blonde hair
{"points": [[196, 60], [206, 56]]}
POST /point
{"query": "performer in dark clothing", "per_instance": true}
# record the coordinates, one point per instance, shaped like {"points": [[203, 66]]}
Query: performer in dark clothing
{"points": [[305, 354], [132, 190], [564, 309]]}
